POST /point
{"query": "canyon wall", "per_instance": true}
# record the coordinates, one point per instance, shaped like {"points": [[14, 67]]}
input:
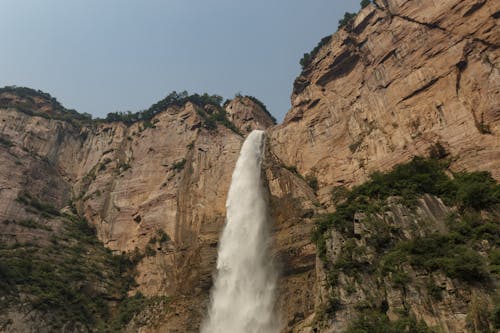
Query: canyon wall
{"points": [[401, 78]]}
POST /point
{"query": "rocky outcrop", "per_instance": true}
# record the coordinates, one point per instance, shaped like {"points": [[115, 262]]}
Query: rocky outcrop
{"points": [[248, 114], [405, 76]]}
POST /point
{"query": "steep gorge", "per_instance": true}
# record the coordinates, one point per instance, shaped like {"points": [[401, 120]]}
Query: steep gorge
{"points": [[403, 77]]}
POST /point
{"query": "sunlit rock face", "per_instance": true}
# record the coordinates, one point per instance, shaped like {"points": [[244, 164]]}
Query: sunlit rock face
{"points": [[248, 115], [406, 75], [158, 187]]}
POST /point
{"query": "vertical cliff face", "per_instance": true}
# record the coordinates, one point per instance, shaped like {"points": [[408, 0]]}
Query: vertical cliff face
{"points": [[248, 113], [403, 79], [403, 76], [155, 189]]}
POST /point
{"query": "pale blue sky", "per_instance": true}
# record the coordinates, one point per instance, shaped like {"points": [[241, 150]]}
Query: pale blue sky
{"points": [[100, 56]]}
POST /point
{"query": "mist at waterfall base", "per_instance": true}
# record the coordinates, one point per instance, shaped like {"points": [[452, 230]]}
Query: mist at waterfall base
{"points": [[242, 299]]}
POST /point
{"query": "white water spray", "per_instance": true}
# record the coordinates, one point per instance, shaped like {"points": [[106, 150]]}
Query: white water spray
{"points": [[242, 298]]}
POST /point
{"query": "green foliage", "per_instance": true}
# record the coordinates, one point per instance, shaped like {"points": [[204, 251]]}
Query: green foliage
{"points": [[477, 190], [72, 278], [438, 252], [162, 236], [29, 223], [495, 315], [347, 20], [339, 194], [350, 259], [308, 57], [179, 100], [355, 145], [27, 105], [494, 258], [46, 209], [434, 291], [312, 181], [409, 180], [437, 151], [291, 168], [451, 253], [484, 128], [219, 115], [365, 3], [179, 165], [59, 277], [148, 124], [372, 321], [130, 307], [150, 252], [127, 309], [5, 142]]}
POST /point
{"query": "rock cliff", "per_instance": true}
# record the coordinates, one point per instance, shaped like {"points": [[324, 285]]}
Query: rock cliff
{"points": [[403, 79]]}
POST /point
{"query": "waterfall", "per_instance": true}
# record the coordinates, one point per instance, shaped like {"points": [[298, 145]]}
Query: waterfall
{"points": [[242, 298]]}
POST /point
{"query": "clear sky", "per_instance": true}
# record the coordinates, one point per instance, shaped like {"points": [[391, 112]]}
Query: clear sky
{"points": [[100, 56]]}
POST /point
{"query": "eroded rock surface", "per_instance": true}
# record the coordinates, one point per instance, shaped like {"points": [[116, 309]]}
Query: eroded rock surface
{"points": [[407, 75]]}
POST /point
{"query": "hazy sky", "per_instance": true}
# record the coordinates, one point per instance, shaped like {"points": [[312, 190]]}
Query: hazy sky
{"points": [[99, 56]]}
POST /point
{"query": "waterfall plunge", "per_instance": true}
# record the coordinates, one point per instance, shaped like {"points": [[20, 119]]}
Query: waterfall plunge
{"points": [[242, 298]]}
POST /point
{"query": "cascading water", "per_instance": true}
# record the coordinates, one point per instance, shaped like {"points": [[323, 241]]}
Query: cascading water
{"points": [[242, 298]]}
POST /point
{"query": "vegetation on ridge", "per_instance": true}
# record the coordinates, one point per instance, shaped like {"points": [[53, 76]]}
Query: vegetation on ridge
{"points": [[346, 21], [210, 108], [27, 105]]}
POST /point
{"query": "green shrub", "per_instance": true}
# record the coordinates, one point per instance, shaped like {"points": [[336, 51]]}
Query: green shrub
{"points": [[43, 207], [148, 124], [339, 193], [291, 168], [495, 316], [372, 321], [149, 251], [452, 253], [61, 278], [312, 181], [27, 105], [162, 236], [178, 99], [437, 151], [434, 291], [5, 142], [29, 223], [308, 57], [365, 3], [477, 190], [347, 20], [179, 165], [355, 145], [438, 252]]}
